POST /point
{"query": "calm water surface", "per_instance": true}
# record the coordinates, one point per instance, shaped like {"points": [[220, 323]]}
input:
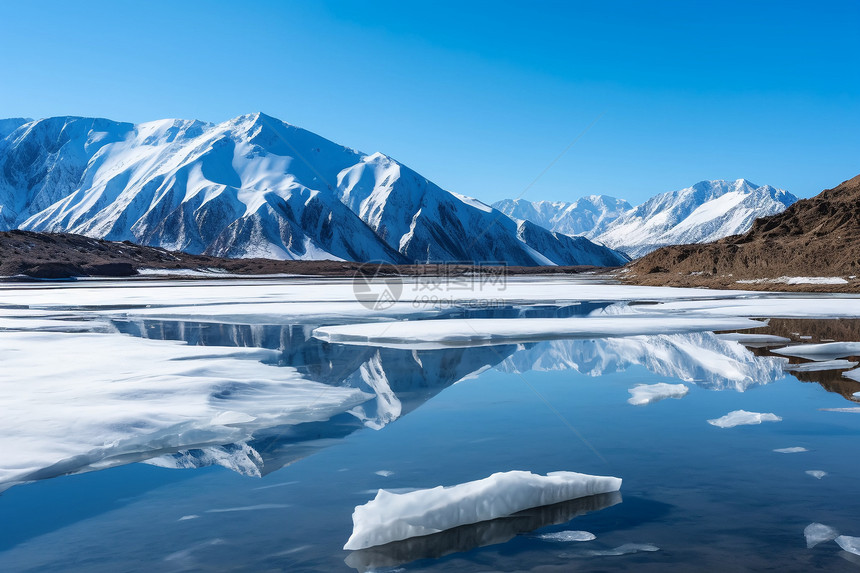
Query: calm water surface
{"points": [[710, 499]]}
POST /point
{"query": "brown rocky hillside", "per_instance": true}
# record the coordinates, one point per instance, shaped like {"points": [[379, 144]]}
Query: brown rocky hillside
{"points": [[817, 237]]}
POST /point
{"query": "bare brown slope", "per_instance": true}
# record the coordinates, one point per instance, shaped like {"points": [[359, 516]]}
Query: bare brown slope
{"points": [[64, 255], [817, 237]]}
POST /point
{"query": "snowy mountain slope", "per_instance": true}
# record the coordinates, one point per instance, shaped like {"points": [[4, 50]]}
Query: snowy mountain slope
{"points": [[587, 216], [707, 211], [252, 186]]}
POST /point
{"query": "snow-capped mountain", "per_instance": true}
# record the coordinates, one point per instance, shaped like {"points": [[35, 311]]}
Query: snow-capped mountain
{"points": [[252, 186], [586, 216], [707, 211]]}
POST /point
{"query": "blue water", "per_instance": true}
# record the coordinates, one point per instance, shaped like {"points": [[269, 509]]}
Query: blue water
{"points": [[711, 499]]}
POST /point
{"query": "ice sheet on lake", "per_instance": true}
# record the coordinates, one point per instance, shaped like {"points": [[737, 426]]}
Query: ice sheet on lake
{"points": [[816, 533], [647, 393], [821, 366], [821, 352], [743, 418], [566, 536], [475, 332], [849, 544], [791, 450], [392, 517], [764, 306], [109, 399], [817, 474]]}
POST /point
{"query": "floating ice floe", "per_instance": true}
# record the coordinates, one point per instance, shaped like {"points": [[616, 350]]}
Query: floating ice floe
{"points": [[816, 533], [817, 474], [482, 534], [792, 450], [849, 544], [765, 306], [565, 536], [821, 366], [393, 517], [625, 549], [821, 352], [752, 339], [384, 473], [647, 393], [743, 418], [476, 332]]}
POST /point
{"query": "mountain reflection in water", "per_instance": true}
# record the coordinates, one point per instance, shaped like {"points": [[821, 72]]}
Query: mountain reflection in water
{"points": [[400, 381]]}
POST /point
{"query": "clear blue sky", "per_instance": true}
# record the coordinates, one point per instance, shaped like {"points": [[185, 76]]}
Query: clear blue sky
{"points": [[479, 97]]}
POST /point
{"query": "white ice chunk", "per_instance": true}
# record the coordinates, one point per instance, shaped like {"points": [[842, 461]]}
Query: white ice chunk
{"points": [[821, 366], [792, 450], [384, 473], [393, 517], [817, 474], [816, 533], [743, 418], [475, 332], [852, 410], [751, 339], [849, 544], [647, 393], [821, 352], [625, 549], [565, 536]]}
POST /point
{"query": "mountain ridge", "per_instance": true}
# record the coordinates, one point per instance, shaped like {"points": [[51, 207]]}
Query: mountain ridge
{"points": [[705, 211], [252, 186]]}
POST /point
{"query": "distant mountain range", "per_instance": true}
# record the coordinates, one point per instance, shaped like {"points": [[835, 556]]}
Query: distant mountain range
{"points": [[817, 237], [707, 211], [253, 186]]}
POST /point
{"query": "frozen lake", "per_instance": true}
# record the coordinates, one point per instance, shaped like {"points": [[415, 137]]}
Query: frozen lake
{"points": [[236, 425]]}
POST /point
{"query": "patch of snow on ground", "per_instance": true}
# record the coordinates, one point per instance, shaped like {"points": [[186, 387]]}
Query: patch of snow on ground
{"points": [[394, 517], [647, 393], [796, 281], [743, 418]]}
